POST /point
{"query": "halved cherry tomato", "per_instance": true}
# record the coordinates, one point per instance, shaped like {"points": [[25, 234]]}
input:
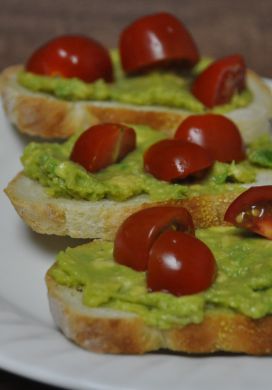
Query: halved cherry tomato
{"points": [[173, 160], [139, 231], [252, 210], [220, 81], [214, 132], [180, 264], [72, 56], [156, 41], [102, 145]]}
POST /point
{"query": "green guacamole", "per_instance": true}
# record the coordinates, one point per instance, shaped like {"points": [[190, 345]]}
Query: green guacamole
{"points": [[243, 283], [49, 164], [163, 88], [260, 152]]}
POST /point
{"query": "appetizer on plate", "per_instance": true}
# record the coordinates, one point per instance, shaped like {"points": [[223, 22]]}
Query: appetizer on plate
{"points": [[161, 284], [88, 185], [173, 276], [156, 77]]}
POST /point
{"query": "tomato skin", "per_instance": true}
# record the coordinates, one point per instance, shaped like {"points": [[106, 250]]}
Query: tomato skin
{"points": [[220, 81], [180, 264], [172, 160], [72, 56], [140, 230], [216, 133], [156, 40], [252, 210], [102, 145]]}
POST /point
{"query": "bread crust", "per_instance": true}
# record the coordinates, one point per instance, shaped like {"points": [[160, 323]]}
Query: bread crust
{"points": [[40, 114], [99, 219], [109, 331]]}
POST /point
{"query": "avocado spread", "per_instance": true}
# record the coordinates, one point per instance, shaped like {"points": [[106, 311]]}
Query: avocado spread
{"points": [[243, 283], [162, 88], [260, 152], [49, 164]]}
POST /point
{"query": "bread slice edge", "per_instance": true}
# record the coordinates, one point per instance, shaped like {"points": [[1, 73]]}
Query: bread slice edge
{"points": [[43, 115], [105, 330], [100, 219]]}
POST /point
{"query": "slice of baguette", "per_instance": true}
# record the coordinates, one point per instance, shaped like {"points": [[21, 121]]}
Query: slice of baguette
{"points": [[40, 114], [98, 219], [112, 331]]}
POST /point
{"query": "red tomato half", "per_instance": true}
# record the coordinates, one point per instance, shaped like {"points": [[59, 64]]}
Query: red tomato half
{"points": [[252, 210], [214, 132], [173, 160], [102, 145], [139, 231], [155, 41], [72, 56], [180, 264], [220, 81]]}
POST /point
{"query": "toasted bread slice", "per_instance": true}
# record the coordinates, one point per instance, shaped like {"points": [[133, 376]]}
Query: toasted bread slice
{"points": [[107, 330], [40, 114], [112, 331], [98, 219]]}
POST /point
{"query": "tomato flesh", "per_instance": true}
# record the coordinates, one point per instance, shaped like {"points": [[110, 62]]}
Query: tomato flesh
{"points": [[216, 133], [173, 160], [252, 210], [220, 81], [180, 264], [139, 231], [156, 40], [72, 56], [102, 145]]}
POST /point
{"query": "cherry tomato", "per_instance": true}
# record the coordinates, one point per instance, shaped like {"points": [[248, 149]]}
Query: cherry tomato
{"points": [[139, 231], [156, 41], [173, 160], [180, 264], [214, 132], [102, 145], [220, 81], [72, 56], [252, 210]]}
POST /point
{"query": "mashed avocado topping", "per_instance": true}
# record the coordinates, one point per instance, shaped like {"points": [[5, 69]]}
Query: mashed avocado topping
{"points": [[260, 152], [163, 88], [49, 164], [243, 283]]}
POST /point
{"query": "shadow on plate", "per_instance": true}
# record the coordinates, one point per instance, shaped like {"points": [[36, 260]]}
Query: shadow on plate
{"points": [[50, 243], [205, 355]]}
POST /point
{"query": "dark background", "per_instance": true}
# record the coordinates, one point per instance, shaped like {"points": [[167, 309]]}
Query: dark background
{"points": [[219, 28]]}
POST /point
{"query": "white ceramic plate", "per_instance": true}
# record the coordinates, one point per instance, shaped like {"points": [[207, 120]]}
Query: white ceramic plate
{"points": [[31, 346]]}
